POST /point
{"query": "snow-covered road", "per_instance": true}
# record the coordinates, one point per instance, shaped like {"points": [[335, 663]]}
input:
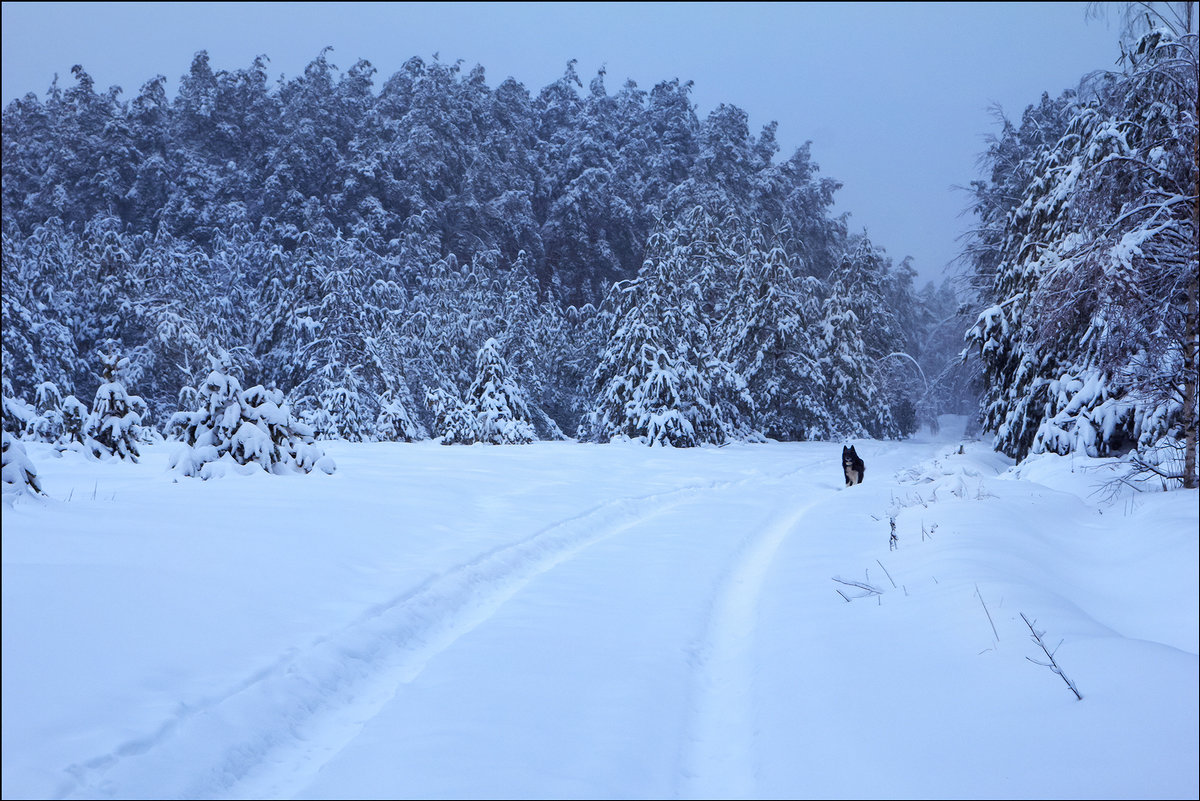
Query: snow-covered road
{"points": [[574, 621]]}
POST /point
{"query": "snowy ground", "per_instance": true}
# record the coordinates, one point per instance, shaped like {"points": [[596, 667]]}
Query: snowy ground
{"points": [[564, 620]]}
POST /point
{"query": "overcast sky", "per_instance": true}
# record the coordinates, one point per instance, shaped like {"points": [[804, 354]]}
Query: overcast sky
{"points": [[894, 96]]}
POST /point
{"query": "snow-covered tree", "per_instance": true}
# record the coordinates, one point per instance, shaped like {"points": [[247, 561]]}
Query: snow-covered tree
{"points": [[655, 380], [395, 423], [853, 401], [767, 336], [1088, 335], [498, 404], [114, 426], [247, 426], [48, 403], [74, 420], [453, 422]]}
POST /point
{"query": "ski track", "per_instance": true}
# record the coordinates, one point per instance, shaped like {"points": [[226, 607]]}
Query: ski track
{"points": [[321, 696], [718, 759]]}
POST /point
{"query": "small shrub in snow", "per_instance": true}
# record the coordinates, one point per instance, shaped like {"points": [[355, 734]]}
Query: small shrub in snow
{"points": [[17, 414], [18, 474], [247, 426], [47, 426]]}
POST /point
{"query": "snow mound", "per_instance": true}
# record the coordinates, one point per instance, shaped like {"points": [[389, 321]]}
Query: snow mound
{"points": [[958, 473]]}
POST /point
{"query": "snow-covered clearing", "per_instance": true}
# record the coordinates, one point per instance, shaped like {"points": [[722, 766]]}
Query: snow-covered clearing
{"points": [[563, 620]]}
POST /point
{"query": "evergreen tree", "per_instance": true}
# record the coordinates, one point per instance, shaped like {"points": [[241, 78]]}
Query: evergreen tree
{"points": [[655, 377], [343, 364], [48, 425], [1088, 332], [853, 401], [248, 426], [502, 416], [453, 422], [114, 425], [395, 423], [767, 337]]}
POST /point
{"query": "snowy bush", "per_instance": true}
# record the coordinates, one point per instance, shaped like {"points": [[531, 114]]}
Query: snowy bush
{"points": [[18, 415], [18, 474], [253, 426], [47, 425]]}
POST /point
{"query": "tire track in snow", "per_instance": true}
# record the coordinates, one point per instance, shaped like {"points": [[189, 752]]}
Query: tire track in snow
{"points": [[718, 759], [319, 697]]}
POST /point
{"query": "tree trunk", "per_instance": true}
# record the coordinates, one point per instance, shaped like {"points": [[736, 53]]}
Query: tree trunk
{"points": [[1191, 342]]}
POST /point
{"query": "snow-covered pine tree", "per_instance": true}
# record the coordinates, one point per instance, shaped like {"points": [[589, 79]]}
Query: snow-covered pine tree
{"points": [[48, 425], [653, 382], [527, 333], [114, 426], [855, 406], [453, 423], [343, 369], [395, 423], [498, 404], [766, 336], [254, 425], [74, 420]]}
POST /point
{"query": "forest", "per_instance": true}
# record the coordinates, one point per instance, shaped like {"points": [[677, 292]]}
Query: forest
{"points": [[437, 258]]}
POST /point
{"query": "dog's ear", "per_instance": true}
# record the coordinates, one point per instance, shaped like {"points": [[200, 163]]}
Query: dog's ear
{"points": [[845, 450]]}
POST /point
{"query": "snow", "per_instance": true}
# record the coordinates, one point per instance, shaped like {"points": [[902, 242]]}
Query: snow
{"points": [[566, 620]]}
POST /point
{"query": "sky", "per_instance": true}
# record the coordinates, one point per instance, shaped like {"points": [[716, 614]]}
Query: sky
{"points": [[896, 98], [570, 620]]}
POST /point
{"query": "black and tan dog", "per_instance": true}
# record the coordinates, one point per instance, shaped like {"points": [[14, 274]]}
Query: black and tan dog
{"points": [[852, 466]]}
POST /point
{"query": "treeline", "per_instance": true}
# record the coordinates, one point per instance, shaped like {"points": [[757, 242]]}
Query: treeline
{"points": [[625, 268]]}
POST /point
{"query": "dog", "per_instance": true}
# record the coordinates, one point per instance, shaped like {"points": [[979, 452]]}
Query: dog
{"points": [[852, 466]]}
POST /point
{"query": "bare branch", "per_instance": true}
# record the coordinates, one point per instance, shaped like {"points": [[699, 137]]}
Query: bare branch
{"points": [[1037, 638]]}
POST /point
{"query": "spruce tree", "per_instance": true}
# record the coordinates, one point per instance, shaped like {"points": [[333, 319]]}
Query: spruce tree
{"points": [[501, 413], [655, 380], [248, 426], [114, 425], [453, 422]]}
